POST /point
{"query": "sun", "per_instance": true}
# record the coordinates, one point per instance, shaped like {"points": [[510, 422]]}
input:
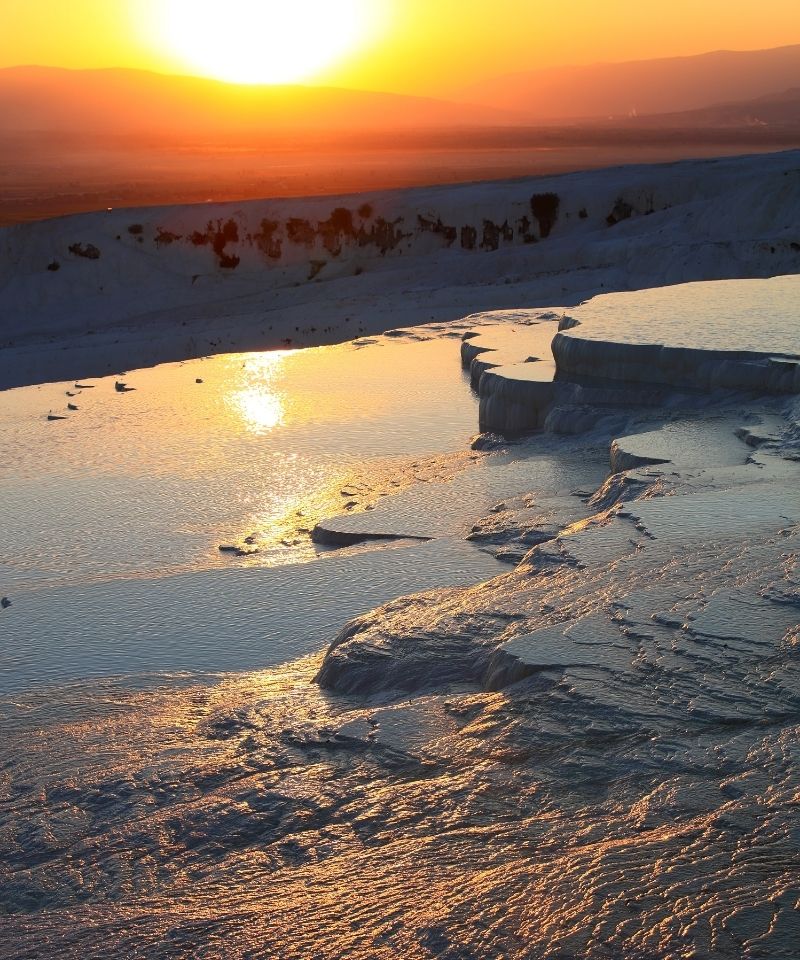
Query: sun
{"points": [[263, 41]]}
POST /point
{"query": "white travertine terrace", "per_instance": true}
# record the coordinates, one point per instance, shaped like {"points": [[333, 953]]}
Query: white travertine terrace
{"points": [[519, 336], [741, 335], [754, 316], [734, 334], [629, 694]]}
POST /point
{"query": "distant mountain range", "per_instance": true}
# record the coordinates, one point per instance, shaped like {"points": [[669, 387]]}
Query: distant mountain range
{"points": [[121, 101], [661, 86], [713, 90]]}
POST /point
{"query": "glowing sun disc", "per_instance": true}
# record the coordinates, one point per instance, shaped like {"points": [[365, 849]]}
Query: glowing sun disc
{"points": [[262, 41]]}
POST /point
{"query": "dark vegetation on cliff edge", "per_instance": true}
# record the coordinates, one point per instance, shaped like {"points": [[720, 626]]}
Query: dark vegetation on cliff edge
{"points": [[361, 228]]}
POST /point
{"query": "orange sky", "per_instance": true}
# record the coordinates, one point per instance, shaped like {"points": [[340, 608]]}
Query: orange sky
{"points": [[410, 46]]}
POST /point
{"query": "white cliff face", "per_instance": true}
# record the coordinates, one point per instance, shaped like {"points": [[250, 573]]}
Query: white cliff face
{"points": [[133, 287]]}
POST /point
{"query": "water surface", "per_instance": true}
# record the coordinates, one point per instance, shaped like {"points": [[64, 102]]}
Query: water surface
{"points": [[152, 481], [113, 518]]}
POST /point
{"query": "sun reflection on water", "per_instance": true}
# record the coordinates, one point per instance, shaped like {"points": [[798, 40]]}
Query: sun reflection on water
{"points": [[259, 403]]}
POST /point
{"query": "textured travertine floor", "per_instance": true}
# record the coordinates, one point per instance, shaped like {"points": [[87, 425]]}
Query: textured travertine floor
{"points": [[752, 315]]}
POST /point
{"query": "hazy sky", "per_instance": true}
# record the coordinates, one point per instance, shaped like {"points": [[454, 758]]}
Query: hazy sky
{"points": [[421, 46]]}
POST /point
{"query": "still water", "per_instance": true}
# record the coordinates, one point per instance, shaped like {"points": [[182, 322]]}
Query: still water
{"points": [[113, 518], [152, 481]]}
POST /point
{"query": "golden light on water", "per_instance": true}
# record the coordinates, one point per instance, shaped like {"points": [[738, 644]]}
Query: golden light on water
{"points": [[259, 403], [261, 410], [263, 41]]}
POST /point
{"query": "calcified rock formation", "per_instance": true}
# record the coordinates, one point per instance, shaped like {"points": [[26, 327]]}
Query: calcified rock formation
{"points": [[740, 335], [591, 756], [628, 742], [640, 753]]}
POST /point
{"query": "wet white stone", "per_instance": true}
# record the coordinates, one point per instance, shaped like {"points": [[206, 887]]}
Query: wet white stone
{"points": [[687, 443]]}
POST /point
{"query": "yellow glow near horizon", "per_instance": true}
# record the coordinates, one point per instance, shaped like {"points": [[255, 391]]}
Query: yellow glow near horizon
{"points": [[427, 47], [262, 41]]}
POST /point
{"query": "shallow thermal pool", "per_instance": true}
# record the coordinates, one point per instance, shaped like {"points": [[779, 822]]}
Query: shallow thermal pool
{"points": [[152, 481], [113, 517]]}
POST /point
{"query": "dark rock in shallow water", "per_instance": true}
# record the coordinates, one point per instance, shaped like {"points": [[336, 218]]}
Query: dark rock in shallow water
{"points": [[326, 533]]}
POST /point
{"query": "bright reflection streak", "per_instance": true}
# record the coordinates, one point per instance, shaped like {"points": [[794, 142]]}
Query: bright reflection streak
{"points": [[258, 403]]}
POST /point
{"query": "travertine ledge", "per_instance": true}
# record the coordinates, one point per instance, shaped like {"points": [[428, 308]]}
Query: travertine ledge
{"points": [[634, 348]]}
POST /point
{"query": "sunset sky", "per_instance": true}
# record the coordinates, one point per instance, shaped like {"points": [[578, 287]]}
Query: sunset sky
{"points": [[409, 46]]}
